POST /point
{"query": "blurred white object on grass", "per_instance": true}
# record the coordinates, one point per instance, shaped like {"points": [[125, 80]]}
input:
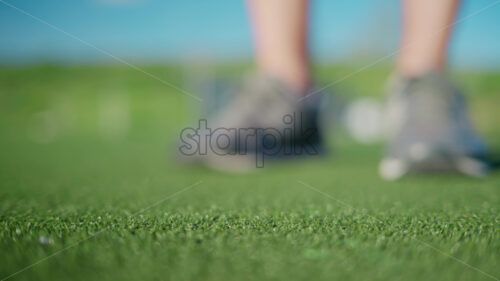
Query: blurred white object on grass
{"points": [[363, 119]]}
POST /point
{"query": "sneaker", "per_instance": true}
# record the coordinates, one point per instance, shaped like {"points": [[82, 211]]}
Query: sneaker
{"points": [[428, 129], [266, 120]]}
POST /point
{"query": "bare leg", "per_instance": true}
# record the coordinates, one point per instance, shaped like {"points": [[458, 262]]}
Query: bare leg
{"points": [[426, 29], [280, 35]]}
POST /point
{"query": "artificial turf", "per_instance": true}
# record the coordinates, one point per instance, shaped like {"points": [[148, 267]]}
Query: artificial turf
{"points": [[80, 203]]}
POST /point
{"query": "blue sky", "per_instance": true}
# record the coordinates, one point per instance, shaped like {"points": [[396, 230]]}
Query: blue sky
{"points": [[168, 30]]}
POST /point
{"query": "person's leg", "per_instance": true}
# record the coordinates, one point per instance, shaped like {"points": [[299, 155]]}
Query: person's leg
{"points": [[267, 106], [280, 36], [428, 126], [426, 29]]}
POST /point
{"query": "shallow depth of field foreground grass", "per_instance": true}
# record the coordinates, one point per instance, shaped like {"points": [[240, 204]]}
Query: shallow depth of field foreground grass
{"points": [[85, 168]]}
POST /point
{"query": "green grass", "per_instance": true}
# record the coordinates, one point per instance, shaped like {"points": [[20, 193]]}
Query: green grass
{"points": [[66, 182]]}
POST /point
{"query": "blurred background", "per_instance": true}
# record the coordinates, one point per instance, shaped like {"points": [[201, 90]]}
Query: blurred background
{"points": [[71, 68], [175, 31]]}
